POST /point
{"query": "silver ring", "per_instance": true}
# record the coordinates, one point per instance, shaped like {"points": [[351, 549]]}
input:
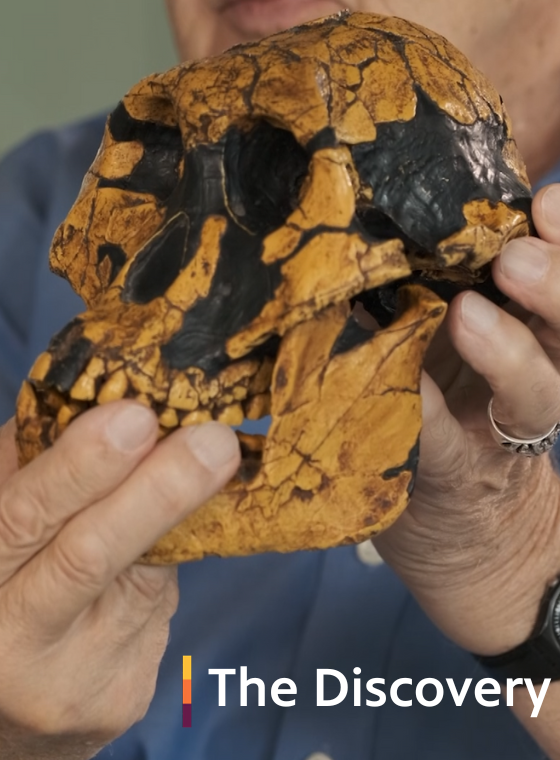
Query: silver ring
{"points": [[529, 447]]}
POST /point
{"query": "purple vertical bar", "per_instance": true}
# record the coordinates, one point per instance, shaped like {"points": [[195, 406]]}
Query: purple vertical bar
{"points": [[187, 716]]}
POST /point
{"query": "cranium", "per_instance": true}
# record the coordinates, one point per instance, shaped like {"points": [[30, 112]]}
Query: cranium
{"points": [[238, 213]]}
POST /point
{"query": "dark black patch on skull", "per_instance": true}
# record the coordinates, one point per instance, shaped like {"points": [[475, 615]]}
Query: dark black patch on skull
{"points": [[159, 263], [71, 352], [525, 205], [157, 172], [264, 169], [200, 193], [116, 256], [242, 283], [70, 332], [411, 465], [382, 302], [423, 171], [241, 287], [380, 227], [352, 335], [326, 138]]}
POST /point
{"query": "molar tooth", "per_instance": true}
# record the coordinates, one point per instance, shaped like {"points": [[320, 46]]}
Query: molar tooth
{"points": [[96, 368], [231, 415], [196, 418], [182, 395], [114, 389], [113, 365], [83, 389], [41, 367], [27, 404], [66, 414], [257, 406], [239, 392], [169, 419]]}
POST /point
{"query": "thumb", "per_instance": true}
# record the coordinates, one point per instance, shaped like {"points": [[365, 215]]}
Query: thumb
{"points": [[443, 443], [8, 452]]}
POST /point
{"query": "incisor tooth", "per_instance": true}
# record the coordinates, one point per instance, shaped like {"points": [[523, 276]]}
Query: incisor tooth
{"points": [[83, 389], [231, 415], [182, 395], [114, 389], [169, 419], [196, 418], [41, 367]]}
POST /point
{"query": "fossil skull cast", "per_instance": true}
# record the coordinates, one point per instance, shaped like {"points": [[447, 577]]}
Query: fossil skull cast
{"points": [[240, 213]]}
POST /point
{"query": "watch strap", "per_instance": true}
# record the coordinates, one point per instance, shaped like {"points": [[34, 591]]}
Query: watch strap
{"points": [[537, 658], [534, 659]]}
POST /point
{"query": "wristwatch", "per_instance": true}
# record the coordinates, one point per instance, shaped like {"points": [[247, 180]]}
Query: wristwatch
{"points": [[538, 657]]}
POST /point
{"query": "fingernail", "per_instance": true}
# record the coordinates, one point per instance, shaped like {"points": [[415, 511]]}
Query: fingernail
{"points": [[550, 205], [213, 444], [524, 262], [479, 315], [129, 428]]}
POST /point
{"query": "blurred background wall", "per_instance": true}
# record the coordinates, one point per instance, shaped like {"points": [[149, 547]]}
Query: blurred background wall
{"points": [[61, 60]]}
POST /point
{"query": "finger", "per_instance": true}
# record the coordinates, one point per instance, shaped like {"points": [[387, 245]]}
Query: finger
{"points": [[546, 213], [528, 271], [443, 445], [8, 452], [95, 454], [180, 474], [525, 383]]}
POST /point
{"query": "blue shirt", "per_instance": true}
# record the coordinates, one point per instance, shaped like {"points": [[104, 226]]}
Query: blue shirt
{"points": [[281, 616]]}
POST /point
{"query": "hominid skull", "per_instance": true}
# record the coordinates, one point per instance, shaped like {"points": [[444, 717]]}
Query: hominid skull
{"points": [[242, 217]]}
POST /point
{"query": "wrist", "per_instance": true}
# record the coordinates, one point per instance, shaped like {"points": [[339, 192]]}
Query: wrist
{"points": [[486, 596], [530, 572]]}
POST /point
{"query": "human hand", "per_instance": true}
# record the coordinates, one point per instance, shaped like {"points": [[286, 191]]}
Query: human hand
{"points": [[82, 628], [481, 537]]}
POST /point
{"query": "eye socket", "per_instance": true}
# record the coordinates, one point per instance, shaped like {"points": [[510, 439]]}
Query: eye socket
{"points": [[265, 168], [157, 173]]}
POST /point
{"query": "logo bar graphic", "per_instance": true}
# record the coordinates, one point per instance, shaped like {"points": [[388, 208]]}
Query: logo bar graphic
{"points": [[187, 691]]}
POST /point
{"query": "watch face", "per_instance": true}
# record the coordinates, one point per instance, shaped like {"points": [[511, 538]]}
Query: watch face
{"points": [[556, 616]]}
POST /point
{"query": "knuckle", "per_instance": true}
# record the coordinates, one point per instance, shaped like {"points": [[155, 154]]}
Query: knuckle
{"points": [[61, 720], [82, 559], [149, 582], [21, 519]]}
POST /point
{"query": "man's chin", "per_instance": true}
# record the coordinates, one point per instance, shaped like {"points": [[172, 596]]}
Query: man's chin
{"points": [[255, 19]]}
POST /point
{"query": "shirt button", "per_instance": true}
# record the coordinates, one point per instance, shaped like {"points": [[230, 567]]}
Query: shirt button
{"points": [[368, 554], [318, 756]]}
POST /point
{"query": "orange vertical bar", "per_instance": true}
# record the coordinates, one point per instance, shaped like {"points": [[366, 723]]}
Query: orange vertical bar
{"points": [[187, 692]]}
